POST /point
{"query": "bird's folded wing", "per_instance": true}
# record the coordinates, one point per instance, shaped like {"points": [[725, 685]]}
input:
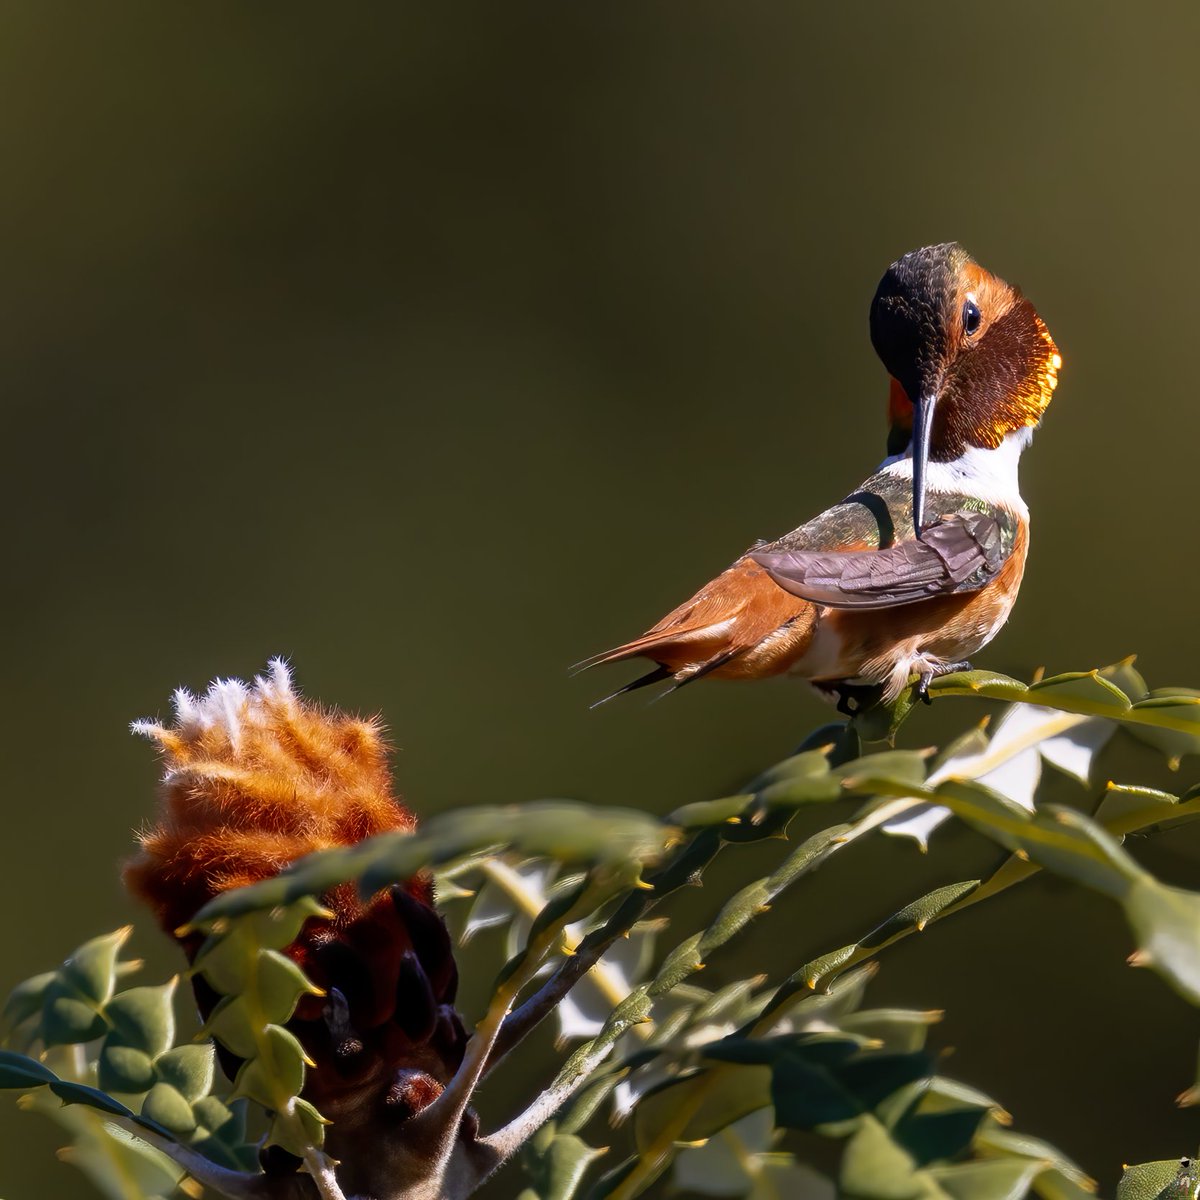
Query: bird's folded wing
{"points": [[961, 552]]}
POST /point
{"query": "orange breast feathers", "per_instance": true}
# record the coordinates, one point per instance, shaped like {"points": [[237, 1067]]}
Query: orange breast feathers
{"points": [[882, 644], [740, 626], [743, 625]]}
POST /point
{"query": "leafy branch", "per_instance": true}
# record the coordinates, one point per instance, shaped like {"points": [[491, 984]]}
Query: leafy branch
{"points": [[577, 886]]}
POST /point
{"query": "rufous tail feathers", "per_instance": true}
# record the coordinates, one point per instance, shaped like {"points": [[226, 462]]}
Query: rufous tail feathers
{"points": [[740, 626]]}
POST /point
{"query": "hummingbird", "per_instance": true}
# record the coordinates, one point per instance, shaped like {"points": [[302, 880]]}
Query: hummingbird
{"points": [[918, 568]]}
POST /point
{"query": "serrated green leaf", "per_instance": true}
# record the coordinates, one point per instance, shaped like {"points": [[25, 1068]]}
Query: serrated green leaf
{"points": [[989, 683], [1061, 839], [989, 811], [26, 999], [280, 985], [782, 1178], [276, 1073], [555, 1163], [217, 1117], [1007, 1141], [897, 766], [713, 1169], [897, 1029], [1124, 806], [875, 1168], [994, 1179], [1168, 718], [938, 1136], [938, 1094], [805, 856], [875, 1075], [562, 901], [188, 1069], [612, 1179], [125, 1069], [811, 763], [1182, 707], [91, 970], [168, 1107], [711, 1108], [233, 1024], [975, 741], [67, 1019], [1069, 843], [807, 1095], [1054, 1184], [228, 957], [823, 1049], [683, 961], [736, 912], [737, 1161], [311, 1121], [823, 1078], [919, 913], [1126, 676], [299, 1131], [20, 1071], [813, 972], [121, 1165], [1090, 687], [1169, 1179], [880, 722], [573, 834], [580, 1109], [221, 1133], [1166, 922], [842, 995], [705, 814], [144, 1017], [277, 928], [78, 1093], [726, 1002]]}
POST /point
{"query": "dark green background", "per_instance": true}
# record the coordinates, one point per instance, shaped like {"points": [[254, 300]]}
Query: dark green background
{"points": [[437, 347]]}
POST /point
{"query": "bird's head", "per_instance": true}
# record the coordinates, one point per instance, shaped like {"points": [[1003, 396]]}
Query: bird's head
{"points": [[971, 361]]}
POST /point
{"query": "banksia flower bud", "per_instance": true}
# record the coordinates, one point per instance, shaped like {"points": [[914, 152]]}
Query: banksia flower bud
{"points": [[253, 778]]}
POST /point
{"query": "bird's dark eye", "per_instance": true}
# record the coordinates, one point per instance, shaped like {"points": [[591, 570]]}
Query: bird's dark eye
{"points": [[972, 318]]}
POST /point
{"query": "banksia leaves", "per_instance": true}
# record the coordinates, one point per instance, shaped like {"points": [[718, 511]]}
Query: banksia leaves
{"points": [[133, 1069], [301, 891]]}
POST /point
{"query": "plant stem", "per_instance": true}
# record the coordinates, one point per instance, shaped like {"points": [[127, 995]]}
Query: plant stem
{"points": [[511, 1137], [510, 882], [321, 1170], [437, 1125], [685, 867], [238, 1185]]}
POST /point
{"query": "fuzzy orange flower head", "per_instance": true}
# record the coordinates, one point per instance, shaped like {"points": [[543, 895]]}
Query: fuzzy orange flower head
{"points": [[254, 776]]}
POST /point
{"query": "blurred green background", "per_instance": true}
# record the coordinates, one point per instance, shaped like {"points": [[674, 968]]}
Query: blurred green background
{"points": [[439, 346]]}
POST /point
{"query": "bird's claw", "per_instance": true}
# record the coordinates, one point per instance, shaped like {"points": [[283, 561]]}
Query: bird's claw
{"points": [[927, 676]]}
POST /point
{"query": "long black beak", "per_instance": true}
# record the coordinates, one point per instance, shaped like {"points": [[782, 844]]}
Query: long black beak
{"points": [[922, 425]]}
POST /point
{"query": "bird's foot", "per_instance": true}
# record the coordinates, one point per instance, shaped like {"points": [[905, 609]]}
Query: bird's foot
{"points": [[934, 671]]}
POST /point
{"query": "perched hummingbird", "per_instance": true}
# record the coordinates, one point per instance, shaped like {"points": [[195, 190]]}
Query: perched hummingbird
{"points": [[918, 568]]}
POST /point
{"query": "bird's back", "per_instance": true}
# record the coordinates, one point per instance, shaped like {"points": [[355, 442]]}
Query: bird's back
{"points": [[743, 625]]}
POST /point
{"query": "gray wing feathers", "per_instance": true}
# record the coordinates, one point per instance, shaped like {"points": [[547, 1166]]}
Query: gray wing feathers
{"points": [[961, 552]]}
